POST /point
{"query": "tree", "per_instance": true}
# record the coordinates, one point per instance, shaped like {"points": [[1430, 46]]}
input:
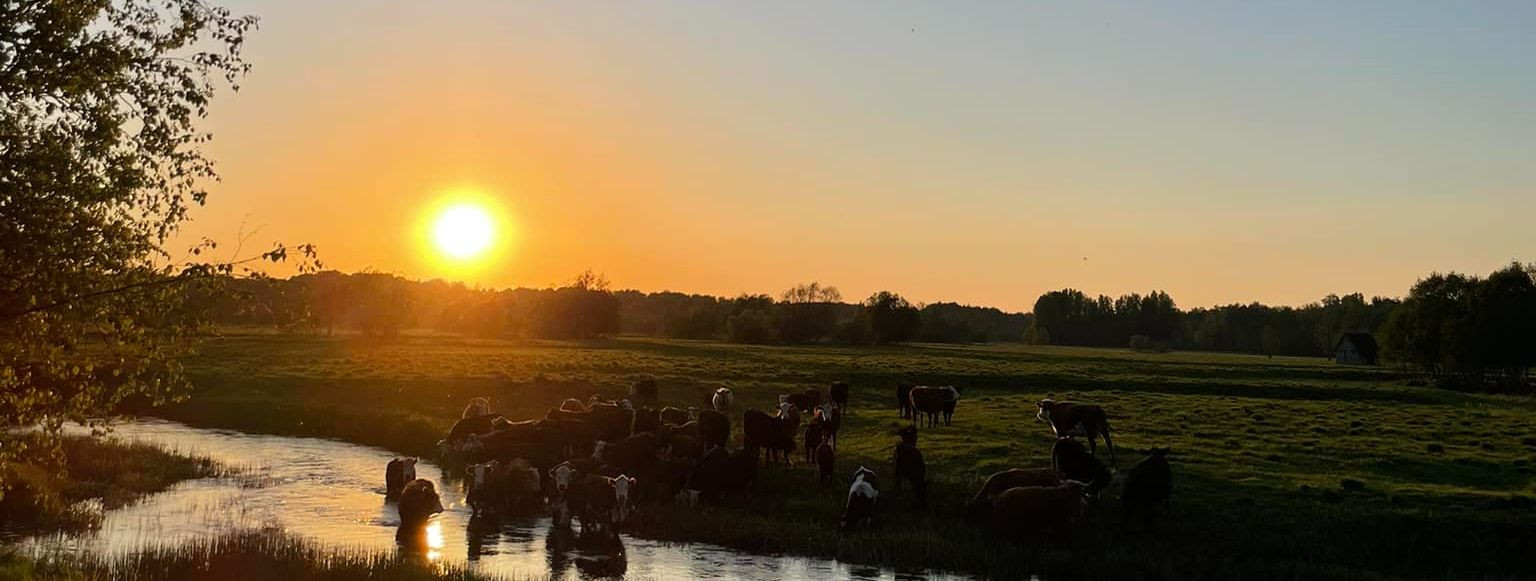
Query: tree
{"points": [[583, 309], [100, 161], [892, 318], [807, 313]]}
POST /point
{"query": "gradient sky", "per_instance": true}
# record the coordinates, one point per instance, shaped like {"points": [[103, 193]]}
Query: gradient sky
{"points": [[982, 153]]}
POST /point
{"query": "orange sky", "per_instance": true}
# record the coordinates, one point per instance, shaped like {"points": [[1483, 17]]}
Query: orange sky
{"points": [[983, 155]]}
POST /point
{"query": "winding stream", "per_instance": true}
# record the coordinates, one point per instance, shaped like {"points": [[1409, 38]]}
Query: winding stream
{"points": [[332, 492]]}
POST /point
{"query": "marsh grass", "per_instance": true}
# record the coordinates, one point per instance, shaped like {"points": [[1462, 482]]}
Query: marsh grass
{"points": [[1440, 483]]}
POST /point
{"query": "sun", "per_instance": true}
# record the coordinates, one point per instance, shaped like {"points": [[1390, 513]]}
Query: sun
{"points": [[463, 231]]}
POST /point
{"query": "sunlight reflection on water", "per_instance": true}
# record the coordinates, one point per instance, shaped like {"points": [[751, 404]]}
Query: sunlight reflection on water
{"points": [[332, 492]]}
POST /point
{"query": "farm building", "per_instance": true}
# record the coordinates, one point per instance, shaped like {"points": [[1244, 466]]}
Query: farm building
{"points": [[1355, 349]]}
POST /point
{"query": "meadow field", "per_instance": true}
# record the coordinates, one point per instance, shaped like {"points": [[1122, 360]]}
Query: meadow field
{"points": [[1284, 468]]}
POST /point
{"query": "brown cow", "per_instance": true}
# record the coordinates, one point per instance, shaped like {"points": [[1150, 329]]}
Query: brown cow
{"points": [[1014, 478], [825, 457], [1069, 419], [932, 401], [1032, 509]]}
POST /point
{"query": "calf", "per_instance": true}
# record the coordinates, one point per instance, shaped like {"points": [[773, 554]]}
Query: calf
{"points": [[910, 466], [838, 393], [714, 428], [1149, 484], [1075, 419], [933, 401], [904, 400], [644, 392], [825, 457], [675, 416], [863, 499], [722, 400], [1026, 510], [398, 472], [1075, 463], [1013, 478]]}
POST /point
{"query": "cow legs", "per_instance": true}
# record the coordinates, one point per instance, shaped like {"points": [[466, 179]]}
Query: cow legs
{"points": [[1109, 444]]}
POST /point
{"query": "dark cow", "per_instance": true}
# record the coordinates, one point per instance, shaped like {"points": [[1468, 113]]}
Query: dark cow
{"points": [[910, 466], [933, 401], [1075, 463], [1014, 478], [772, 434], [635, 455], [647, 420], [838, 393], [805, 401], [684, 447], [1026, 510], [720, 473], [477, 406], [1074, 419], [714, 428], [570, 437], [418, 502], [675, 416], [472, 426], [602, 502], [509, 440], [612, 419], [904, 400], [398, 472], [863, 499], [813, 439], [1149, 484], [480, 482], [643, 393], [831, 421], [825, 457]]}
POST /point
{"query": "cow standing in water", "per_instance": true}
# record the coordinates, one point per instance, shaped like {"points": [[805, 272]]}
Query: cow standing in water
{"points": [[1069, 419], [396, 474]]}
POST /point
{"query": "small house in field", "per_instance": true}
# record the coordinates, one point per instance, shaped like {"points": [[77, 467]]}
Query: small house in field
{"points": [[1355, 349]]}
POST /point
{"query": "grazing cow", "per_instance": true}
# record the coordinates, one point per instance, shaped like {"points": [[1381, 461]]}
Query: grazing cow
{"points": [[398, 472], [1013, 478], [863, 499], [1075, 463], [636, 454], [477, 407], [838, 393], [825, 457], [481, 481], [720, 472], [813, 439], [1149, 484], [647, 420], [773, 434], [675, 416], [722, 400], [1074, 419], [932, 401], [714, 428], [1026, 510], [644, 392], [831, 421], [910, 466], [904, 400], [418, 502]]}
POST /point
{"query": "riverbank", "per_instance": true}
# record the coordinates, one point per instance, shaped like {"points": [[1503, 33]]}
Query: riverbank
{"points": [[1284, 468], [243, 556], [110, 472]]}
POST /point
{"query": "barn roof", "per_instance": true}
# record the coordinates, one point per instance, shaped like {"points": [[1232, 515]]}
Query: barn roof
{"points": [[1364, 343]]}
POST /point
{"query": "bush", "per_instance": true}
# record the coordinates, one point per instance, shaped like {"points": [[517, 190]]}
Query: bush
{"points": [[749, 326]]}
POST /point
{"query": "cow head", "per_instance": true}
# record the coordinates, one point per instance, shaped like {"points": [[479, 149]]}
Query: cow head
{"points": [[480, 473], [408, 468], [785, 408], [622, 486], [1045, 406], [562, 476], [954, 392]]}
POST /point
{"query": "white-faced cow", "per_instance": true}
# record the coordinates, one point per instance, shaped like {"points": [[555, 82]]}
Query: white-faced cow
{"points": [[863, 499], [722, 400], [1069, 419]]}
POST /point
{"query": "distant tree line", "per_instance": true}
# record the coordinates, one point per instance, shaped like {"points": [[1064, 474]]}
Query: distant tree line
{"points": [[1467, 331]]}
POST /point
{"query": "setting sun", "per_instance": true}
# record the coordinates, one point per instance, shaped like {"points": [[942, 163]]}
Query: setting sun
{"points": [[463, 231]]}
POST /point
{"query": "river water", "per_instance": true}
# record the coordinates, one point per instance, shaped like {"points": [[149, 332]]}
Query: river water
{"points": [[332, 492]]}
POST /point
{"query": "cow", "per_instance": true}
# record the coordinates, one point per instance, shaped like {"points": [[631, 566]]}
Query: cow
{"points": [[909, 466], [722, 400], [1075, 463], [418, 502], [720, 473], [481, 480], [472, 426], [1074, 419], [684, 447], [644, 392], [596, 499], [932, 401], [476, 407], [612, 419], [825, 457], [813, 439], [562, 478], [831, 421], [636, 454], [790, 414], [772, 434], [1013, 478], [838, 393], [508, 439], [675, 416], [398, 472], [863, 499], [570, 437], [1149, 484], [647, 420], [807, 400], [904, 400], [1026, 510], [714, 428], [520, 483]]}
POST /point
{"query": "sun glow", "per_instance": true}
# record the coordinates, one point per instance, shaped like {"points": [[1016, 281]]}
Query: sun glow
{"points": [[463, 231]]}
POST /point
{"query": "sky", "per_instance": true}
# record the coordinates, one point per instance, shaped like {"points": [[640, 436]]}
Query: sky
{"points": [[982, 153]]}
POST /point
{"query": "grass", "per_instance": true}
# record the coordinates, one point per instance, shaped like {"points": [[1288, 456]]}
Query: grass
{"points": [[111, 472], [1285, 468], [241, 556]]}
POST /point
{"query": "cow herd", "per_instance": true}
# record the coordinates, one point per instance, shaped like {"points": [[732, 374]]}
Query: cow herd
{"points": [[597, 461]]}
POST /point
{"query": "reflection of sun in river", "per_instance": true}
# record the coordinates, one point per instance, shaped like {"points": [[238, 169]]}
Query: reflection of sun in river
{"points": [[434, 541]]}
